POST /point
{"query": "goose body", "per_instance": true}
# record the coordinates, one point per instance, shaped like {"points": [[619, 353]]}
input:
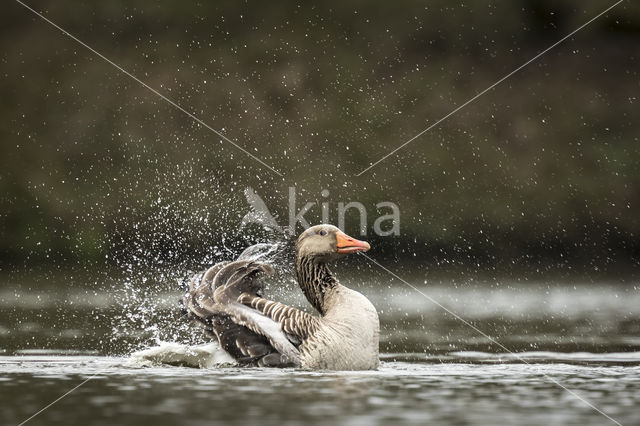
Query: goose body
{"points": [[347, 337], [226, 302]]}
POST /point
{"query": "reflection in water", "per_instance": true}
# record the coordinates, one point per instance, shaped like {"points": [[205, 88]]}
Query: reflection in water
{"points": [[412, 392], [434, 369]]}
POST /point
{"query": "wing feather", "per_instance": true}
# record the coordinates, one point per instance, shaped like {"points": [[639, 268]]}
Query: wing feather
{"points": [[245, 333]]}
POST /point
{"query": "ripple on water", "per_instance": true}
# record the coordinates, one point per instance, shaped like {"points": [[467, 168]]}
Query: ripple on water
{"points": [[455, 390]]}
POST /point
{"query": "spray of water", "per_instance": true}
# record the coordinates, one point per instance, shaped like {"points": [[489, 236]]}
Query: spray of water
{"points": [[182, 226]]}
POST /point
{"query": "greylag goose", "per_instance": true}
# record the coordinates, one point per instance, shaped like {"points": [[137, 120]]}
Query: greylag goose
{"points": [[226, 301]]}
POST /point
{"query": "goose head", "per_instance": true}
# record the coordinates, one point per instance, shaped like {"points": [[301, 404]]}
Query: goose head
{"points": [[325, 243]]}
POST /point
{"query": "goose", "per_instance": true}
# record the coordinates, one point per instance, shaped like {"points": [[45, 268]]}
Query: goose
{"points": [[226, 301]]}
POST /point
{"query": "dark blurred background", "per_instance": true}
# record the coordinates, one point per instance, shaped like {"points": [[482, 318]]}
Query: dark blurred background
{"points": [[539, 175]]}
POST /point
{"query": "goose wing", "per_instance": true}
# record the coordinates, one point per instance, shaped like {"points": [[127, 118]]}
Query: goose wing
{"points": [[295, 323], [245, 333]]}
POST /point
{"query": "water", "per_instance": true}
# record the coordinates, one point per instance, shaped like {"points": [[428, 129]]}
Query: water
{"points": [[434, 368], [414, 391]]}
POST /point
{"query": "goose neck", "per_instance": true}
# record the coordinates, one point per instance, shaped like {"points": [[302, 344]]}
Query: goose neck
{"points": [[316, 281]]}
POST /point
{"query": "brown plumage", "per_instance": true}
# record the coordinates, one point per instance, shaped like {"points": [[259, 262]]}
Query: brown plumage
{"points": [[226, 301]]}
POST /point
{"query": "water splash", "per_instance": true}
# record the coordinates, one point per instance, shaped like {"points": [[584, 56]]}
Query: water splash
{"points": [[181, 228]]}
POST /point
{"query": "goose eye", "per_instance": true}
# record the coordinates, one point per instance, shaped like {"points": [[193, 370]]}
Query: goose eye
{"points": [[322, 232]]}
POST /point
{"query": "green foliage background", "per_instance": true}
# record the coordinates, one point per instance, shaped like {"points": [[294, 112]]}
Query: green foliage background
{"points": [[542, 169]]}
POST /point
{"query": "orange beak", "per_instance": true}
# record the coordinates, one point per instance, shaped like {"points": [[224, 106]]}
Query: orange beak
{"points": [[347, 244]]}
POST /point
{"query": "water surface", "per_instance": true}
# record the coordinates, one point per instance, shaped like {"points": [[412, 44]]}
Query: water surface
{"points": [[476, 391], [434, 368]]}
